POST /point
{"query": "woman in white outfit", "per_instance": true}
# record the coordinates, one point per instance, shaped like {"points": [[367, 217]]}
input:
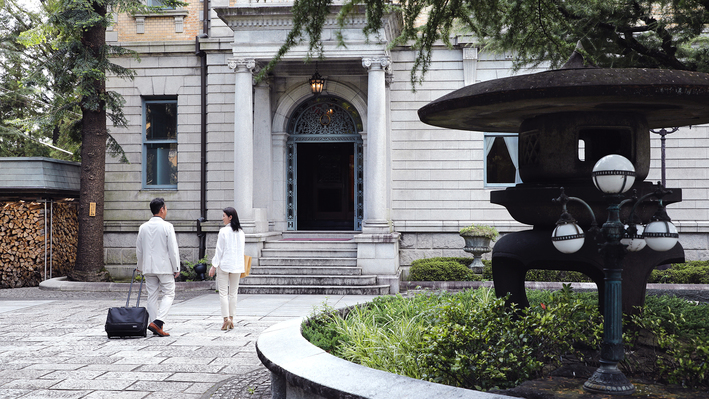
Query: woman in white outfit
{"points": [[228, 264]]}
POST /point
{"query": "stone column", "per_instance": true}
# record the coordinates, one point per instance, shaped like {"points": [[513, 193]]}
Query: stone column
{"points": [[375, 168], [244, 142], [263, 159]]}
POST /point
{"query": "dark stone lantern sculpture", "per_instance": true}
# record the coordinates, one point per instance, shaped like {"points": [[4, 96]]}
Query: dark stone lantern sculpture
{"points": [[557, 113]]}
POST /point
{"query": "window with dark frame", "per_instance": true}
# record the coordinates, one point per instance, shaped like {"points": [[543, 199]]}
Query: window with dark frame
{"points": [[160, 144], [501, 165]]}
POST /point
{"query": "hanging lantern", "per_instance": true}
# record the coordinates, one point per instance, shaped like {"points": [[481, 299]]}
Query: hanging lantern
{"points": [[317, 83]]}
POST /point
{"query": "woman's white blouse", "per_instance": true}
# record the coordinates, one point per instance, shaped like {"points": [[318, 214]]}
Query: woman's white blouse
{"points": [[229, 255]]}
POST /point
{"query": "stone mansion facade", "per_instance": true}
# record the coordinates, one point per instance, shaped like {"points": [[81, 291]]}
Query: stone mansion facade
{"points": [[353, 164]]}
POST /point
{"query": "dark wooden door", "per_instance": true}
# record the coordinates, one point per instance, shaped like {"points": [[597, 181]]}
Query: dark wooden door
{"points": [[326, 186]]}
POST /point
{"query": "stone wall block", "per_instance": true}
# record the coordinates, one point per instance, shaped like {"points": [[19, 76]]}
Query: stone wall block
{"points": [[424, 240], [694, 241], [120, 240], [408, 240], [113, 256], [448, 241], [129, 257]]}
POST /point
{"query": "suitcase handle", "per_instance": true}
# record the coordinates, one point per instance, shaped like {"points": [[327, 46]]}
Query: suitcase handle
{"points": [[130, 289]]}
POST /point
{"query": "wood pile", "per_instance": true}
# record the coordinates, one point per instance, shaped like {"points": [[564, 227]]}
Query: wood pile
{"points": [[22, 242]]}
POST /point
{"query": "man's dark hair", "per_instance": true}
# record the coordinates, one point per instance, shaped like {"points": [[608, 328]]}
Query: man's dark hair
{"points": [[156, 205]]}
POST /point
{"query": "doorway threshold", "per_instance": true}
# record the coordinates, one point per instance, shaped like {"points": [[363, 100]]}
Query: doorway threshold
{"points": [[318, 235]]}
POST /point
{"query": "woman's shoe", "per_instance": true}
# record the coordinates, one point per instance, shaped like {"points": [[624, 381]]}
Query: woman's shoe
{"points": [[225, 326], [231, 323]]}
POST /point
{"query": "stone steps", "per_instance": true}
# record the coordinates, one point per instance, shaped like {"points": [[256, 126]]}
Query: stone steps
{"points": [[304, 279], [306, 251], [306, 270], [318, 263], [314, 290]]}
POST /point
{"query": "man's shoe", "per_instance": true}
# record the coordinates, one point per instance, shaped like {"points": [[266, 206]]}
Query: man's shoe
{"points": [[157, 330]]}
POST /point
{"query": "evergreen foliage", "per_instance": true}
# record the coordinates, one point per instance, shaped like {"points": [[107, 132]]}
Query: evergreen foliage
{"points": [[71, 73], [25, 90], [624, 33], [442, 269], [693, 272]]}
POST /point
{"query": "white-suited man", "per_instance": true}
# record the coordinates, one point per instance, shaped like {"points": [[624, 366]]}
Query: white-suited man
{"points": [[159, 261]]}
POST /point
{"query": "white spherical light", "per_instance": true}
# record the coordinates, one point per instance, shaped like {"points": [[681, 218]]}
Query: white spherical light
{"points": [[661, 235], [613, 174], [635, 242], [567, 238]]}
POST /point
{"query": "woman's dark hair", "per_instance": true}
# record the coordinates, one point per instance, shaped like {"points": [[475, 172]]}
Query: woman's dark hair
{"points": [[235, 225]]}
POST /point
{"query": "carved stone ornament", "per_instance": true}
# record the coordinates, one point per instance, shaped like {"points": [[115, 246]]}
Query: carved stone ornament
{"points": [[241, 64], [371, 63]]}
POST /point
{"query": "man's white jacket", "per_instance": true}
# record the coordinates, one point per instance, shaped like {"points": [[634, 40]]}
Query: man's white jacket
{"points": [[156, 247]]}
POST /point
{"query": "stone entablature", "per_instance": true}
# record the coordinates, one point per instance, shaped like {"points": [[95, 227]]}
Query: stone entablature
{"points": [[259, 30]]}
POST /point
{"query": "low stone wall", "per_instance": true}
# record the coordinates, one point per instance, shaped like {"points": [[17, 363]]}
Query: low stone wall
{"points": [[303, 371]]}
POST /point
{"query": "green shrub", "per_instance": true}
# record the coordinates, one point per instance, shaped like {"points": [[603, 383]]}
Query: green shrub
{"points": [[188, 273], [321, 329], [694, 272], [387, 333], [439, 269], [468, 339], [487, 269], [680, 330], [480, 230], [442, 269], [484, 347], [557, 276]]}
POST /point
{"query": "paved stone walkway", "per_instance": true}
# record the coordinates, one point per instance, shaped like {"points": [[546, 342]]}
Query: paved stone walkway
{"points": [[53, 345]]}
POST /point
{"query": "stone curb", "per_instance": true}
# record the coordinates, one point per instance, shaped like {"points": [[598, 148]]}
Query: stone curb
{"points": [[298, 366], [63, 284]]}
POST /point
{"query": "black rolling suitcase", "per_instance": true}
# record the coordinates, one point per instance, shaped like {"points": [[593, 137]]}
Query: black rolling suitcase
{"points": [[128, 321]]}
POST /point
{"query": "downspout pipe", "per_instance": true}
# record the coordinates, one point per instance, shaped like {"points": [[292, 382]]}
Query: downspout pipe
{"points": [[203, 140]]}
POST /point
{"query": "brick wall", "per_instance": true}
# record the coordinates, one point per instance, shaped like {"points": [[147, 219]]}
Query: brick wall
{"points": [[161, 27]]}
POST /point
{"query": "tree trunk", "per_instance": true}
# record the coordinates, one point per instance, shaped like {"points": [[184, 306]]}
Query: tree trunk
{"points": [[89, 258]]}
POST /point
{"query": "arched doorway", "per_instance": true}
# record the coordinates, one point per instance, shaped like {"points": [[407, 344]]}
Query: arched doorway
{"points": [[324, 161]]}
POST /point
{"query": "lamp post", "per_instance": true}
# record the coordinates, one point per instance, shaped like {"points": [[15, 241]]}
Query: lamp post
{"points": [[614, 175], [663, 132]]}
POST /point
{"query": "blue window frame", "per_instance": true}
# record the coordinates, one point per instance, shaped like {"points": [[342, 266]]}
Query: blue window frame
{"points": [[501, 160], [160, 144]]}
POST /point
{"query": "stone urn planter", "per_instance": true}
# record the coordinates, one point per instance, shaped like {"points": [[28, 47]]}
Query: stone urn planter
{"points": [[477, 242]]}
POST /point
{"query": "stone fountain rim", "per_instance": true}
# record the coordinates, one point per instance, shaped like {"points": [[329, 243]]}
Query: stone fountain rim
{"points": [[664, 97]]}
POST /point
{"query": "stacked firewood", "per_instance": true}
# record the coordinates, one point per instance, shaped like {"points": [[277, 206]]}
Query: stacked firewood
{"points": [[65, 236], [24, 252]]}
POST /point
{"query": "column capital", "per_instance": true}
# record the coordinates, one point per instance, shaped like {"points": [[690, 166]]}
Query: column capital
{"points": [[379, 63], [242, 64]]}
